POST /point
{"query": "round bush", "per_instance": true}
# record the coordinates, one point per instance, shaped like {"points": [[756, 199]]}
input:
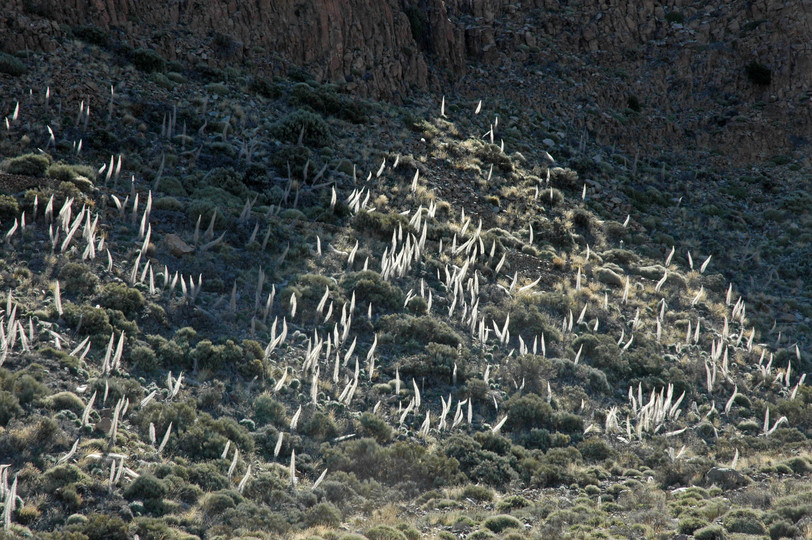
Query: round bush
{"points": [[28, 164], [501, 522], [268, 411], [477, 493], [144, 488], [384, 532], [323, 514], [744, 520], [375, 427], [711, 532], [690, 524], [144, 358], [316, 131]]}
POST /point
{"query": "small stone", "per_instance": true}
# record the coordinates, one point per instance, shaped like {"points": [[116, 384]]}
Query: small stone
{"points": [[104, 425], [609, 277]]}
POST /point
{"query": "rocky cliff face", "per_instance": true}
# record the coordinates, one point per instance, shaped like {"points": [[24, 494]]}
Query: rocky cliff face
{"points": [[682, 60], [365, 43]]}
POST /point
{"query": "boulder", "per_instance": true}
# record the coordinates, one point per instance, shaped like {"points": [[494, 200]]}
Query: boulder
{"points": [[177, 246], [726, 478]]}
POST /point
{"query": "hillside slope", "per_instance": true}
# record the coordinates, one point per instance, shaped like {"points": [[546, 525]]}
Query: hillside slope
{"points": [[238, 306]]}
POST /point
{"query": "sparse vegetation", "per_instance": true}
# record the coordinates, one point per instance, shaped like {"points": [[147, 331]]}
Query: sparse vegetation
{"points": [[477, 342]]}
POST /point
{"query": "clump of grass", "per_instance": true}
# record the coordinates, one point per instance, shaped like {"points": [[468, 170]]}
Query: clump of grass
{"points": [[314, 131], [502, 522], [82, 176], [28, 164], [477, 493]]}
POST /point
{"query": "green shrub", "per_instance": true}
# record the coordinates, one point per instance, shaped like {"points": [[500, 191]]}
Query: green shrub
{"points": [[595, 449], [61, 401], [493, 155], [710, 532], [416, 331], [87, 319], [207, 437], [536, 438], [206, 355], [145, 487], [217, 503], [375, 427], [567, 422], [744, 520], [582, 375], [436, 365], [512, 502], [326, 99], [11, 65], [417, 305], [320, 427], [380, 225], [534, 370], [477, 389], [147, 60], [119, 296], [28, 164], [493, 442], [501, 522], [799, 465], [556, 232], [77, 278], [602, 352], [9, 208], [64, 172], [477, 493], [529, 411], [527, 319], [690, 524], [316, 130], [296, 157], [481, 535], [479, 464], [324, 514], [9, 407], [384, 532], [104, 527], [370, 287], [144, 358], [62, 475], [26, 388], [783, 529], [268, 411], [400, 462], [208, 477], [264, 87]]}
